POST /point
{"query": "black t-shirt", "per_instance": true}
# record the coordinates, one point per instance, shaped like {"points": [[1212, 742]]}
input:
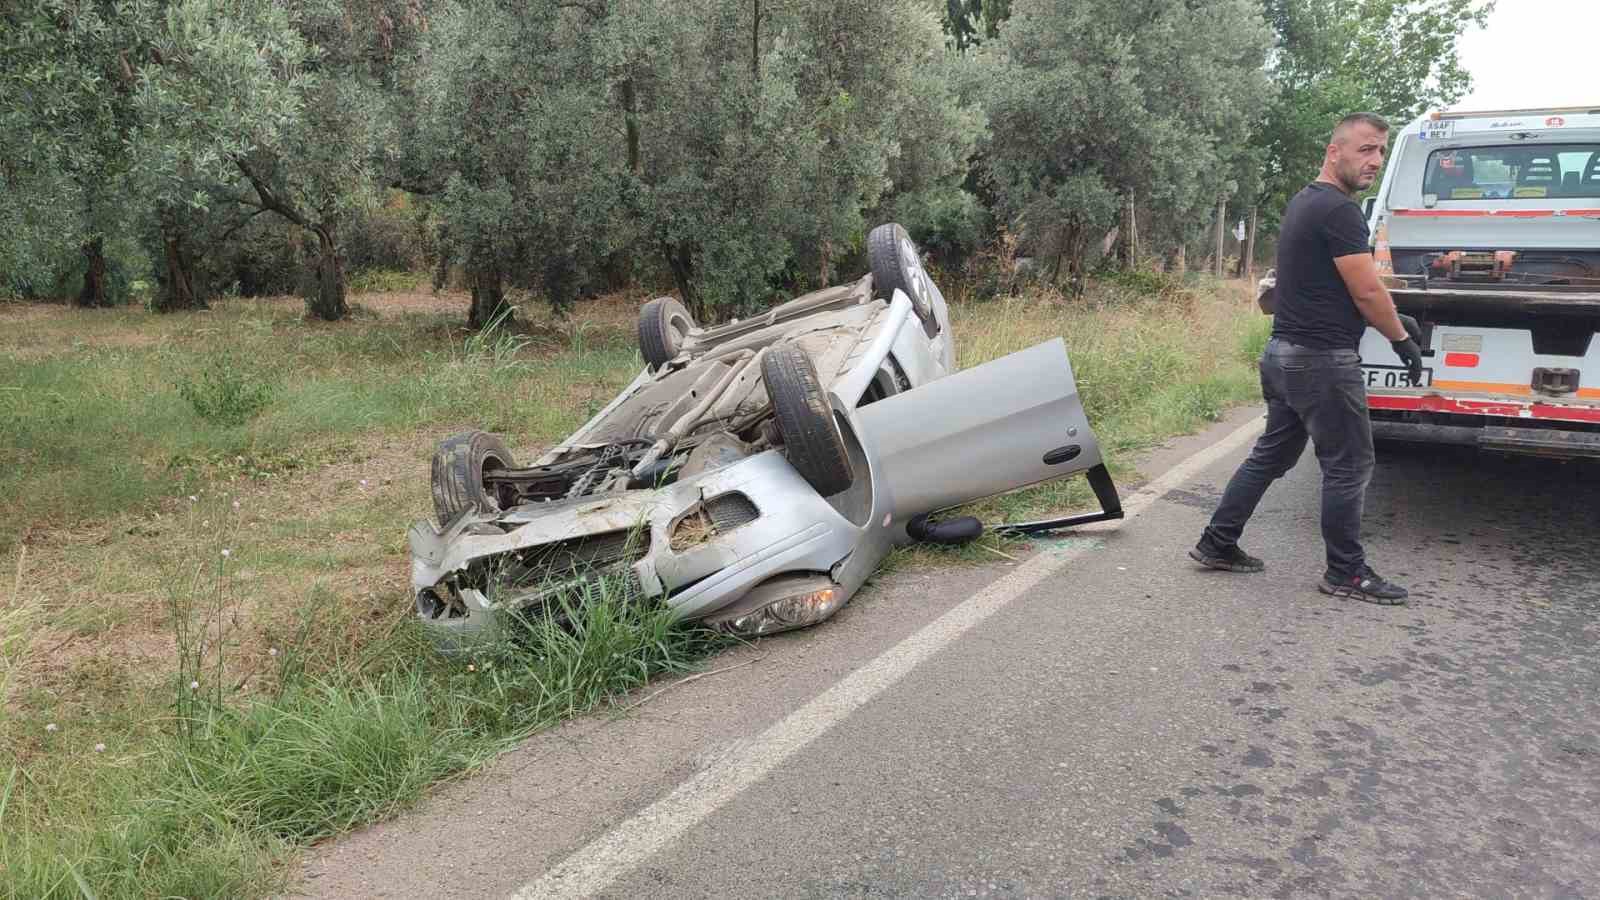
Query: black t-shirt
{"points": [[1314, 306]]}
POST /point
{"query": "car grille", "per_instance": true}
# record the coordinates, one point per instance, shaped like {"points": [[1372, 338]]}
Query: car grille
{"points": [[729, 511], [563, 560]]}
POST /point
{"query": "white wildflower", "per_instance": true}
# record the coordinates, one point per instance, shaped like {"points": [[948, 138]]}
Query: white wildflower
{"points": [[226, 553], [52, 728], [273, 651], [193, 499], [99, 748], [235, 504], [194, 685]]}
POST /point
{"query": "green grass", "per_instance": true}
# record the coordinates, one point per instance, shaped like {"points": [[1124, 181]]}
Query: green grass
{"points": [[316, 706], [95, 420], [207, 805]]}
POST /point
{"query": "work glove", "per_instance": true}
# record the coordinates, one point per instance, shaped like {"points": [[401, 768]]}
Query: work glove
{"points": [[1411, 357], [1412, 326]]}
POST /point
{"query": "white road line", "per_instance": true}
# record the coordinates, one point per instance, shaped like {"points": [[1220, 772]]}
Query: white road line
{"points": [[594, 867]]}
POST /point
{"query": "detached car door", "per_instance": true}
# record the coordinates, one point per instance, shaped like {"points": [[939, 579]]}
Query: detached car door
{"points": [[1006, 424]]}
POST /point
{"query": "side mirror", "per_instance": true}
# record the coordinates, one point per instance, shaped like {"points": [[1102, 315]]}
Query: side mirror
{"points": [[1367, 206]]}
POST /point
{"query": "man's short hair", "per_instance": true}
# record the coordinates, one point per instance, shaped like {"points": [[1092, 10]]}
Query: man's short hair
{"points": [[1361, 118]]}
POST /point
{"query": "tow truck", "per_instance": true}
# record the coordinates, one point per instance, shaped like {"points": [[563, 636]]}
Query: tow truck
{"points": [[1486, 227]]}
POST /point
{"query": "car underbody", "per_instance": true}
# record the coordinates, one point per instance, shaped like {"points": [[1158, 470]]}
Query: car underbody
{"points": [[756, 473]]}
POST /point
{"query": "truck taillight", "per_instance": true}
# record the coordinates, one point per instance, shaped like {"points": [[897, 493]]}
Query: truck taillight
{"points": [[1461, 360]]}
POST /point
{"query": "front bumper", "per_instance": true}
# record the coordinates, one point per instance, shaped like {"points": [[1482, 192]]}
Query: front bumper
{"points": [[793, 530]]}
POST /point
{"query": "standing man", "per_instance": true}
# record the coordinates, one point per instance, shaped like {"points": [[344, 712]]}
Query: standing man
{"points": [[1328, 292]]}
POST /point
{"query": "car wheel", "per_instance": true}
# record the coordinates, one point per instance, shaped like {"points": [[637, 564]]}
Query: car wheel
{"points": [[811, 438], [459, 463], [897, 266], [663, 325]]}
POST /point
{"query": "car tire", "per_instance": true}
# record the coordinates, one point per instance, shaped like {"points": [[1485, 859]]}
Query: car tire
{"points": [[896, 265], [811, 438], [459, 463], [663, 325]]}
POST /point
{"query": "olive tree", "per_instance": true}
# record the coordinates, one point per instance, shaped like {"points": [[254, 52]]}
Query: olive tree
{"points": [[755, 170], [514, 126], [66, 116], [282, 108], [1393, 57], [1094, 102]]}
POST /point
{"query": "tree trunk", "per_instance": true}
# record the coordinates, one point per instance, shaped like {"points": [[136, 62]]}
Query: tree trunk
{"points": [[755, 47], [682, 266], [327, 301], [177, 278], [1222, 229], [630, 119], [1133, 234], [93, 292], [488, 296], [1250, 247]]}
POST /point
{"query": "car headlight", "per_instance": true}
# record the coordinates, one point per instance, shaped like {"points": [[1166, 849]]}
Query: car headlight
{"points": [[793, 611]]}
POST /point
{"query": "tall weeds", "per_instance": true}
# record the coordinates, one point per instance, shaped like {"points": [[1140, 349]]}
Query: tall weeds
{"points": [[236, 782]]}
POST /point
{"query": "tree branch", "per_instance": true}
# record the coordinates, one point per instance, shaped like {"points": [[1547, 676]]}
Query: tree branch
{"points": [[240, 224], [269, 200]]}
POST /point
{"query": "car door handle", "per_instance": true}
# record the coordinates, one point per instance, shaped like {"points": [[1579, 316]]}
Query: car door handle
{"points": [[1062, 454]]}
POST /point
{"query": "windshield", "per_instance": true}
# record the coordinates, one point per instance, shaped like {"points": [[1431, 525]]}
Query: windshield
{"points": [[1514, 173]]}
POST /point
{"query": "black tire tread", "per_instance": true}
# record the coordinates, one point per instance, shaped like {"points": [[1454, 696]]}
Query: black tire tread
{"points": [[883, 257], [888, 273], [656, 342], [457, 475], [811, 438]]}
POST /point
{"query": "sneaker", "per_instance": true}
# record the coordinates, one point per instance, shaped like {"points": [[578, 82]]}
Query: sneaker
{"points": [[1368, 587], [1230, 560]]}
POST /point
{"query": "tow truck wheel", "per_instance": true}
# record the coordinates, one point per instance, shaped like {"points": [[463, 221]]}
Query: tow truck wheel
{"points": [[811, 438], [459, 464], [663, 325], [896, 265]]}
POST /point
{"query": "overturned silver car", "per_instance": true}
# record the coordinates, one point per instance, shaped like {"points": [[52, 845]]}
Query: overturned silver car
{"points": [[756, 473]]}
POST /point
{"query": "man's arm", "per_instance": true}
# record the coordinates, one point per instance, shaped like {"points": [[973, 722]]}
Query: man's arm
{"points": [[1360, 274]]}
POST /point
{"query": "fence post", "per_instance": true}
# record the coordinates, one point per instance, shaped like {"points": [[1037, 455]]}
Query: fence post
{"points": [[1222, 216], [1250, 248]]}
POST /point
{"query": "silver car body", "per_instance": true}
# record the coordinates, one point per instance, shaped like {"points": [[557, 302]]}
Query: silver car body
{"points": [[769, 552]]}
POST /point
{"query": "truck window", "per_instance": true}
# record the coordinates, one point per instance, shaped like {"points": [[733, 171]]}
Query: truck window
{"points": [[1514, 172]]}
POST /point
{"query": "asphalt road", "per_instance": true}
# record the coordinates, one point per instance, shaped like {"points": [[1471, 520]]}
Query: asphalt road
{"points": [[1130, 725]]}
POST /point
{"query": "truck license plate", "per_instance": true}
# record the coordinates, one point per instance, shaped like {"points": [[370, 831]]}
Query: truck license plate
{"points": [[1394, 377]]}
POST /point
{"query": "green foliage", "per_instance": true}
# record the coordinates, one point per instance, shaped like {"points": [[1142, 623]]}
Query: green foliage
{"points": [[738, 150], [737, 173], [235, 785], [971, 22], [1096, 102], [226, 392], [1393, 57], [379, 281], [1253, 341]]}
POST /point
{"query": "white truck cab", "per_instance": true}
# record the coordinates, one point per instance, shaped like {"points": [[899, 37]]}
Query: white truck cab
{"points": [[1487, 228]]}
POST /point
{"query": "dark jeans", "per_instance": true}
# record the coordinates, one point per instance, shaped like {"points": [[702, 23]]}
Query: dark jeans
{"points": [[1320, 394]]}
